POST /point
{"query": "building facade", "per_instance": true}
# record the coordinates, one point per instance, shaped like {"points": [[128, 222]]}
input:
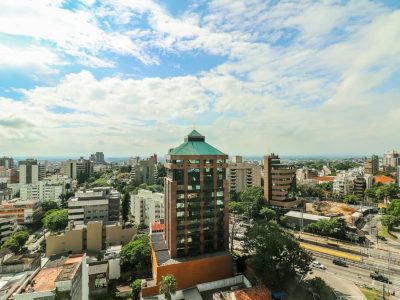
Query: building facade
{"points": [[390, 161], [242, 175], [42, 191], [74, 168], [98, 204], [8, 226], [25, 212], [371, 165], [30, 171], [147, 207], [279, 182], [145, 171], [7, 162]]}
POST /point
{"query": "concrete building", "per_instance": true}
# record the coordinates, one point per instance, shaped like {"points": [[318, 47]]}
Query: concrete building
{"points": [[42, 191], [368, 180], [145, 171], [7, 162], [9, 175], [25, 212], [5, 192], [17, 263], [73, 168], [8, 226], [94, 236], [242, 175], [279, 182], [343, 184], [100, 203], [97, 158], [390, 161], [359, 186], [30, 171], [306, 174], [371, 165], [62, 278], [195, 241], [147, 207], [300, 219]]}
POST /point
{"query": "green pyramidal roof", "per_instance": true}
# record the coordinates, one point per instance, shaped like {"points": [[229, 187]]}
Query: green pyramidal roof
{"points": [[195, 145]]}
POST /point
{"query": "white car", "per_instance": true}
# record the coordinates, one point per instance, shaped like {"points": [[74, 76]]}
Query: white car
{"points": [[318, 265]]}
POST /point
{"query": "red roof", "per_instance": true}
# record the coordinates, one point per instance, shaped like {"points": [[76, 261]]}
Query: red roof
{"points": [[325, 178], [254, 293], [157, 227], [383, 179]]}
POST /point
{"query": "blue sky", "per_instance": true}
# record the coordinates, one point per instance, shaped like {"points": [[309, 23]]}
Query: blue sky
{"points": [[133, 77]]}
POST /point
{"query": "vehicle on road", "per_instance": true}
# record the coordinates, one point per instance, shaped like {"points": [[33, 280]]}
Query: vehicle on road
{"points": [[379, 277], [339, 262], [318, 265]]}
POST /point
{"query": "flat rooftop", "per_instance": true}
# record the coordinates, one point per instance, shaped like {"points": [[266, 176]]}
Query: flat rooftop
{"points": [[299, 215], [44, 280]]}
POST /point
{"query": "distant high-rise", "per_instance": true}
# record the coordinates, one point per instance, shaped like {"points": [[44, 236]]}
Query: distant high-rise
{"points": [[390, 161], [145, 171], [6, 162], [99, 157], [79, 167], [371, 165], [30, 171], [279, 182], [242, 175]]}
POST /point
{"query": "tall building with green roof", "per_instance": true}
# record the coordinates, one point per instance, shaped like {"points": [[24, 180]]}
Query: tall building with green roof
{"points": [[196, 195]]}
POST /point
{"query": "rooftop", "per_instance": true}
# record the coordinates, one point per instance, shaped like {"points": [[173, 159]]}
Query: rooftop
{"points": [[44, 280], [297, 214], [383, 179], [195, 145]]}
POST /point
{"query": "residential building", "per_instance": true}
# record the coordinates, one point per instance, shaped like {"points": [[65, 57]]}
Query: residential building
{"points": [[8, 226], [368, 180], [359, 186], [279, 182], [100, 203], [97, 158], [242, 175], [42, 191], [17, 263], [66, 276], [325, 172], [5, 192], [7, 162], [390, 161], [30, 171], [94, 236], [133, 161], [196, 235], [25, 212], [9, 175], [343, 184], [147, 207], [383, 179], [371, 165], [306, 174], [98, 279], [76, 168], [145, 171]]}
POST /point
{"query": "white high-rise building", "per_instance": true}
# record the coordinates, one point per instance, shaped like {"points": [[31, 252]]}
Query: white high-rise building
{"points": [[242, 175], [147, 207], [30, 171]]}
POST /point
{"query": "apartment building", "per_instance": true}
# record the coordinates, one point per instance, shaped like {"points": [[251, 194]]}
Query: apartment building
{"points": [[390, 161], [9, 175], [242, 175], [93, 236], [5, 192], [42, 191], [147, 207], [371, 165], [145, 171], [62, 278], [343, 184], [279, 182], [7, 162], [306, 174], [73, 168], [8, 226], [98, 204], [30, 171], [25, 212]]}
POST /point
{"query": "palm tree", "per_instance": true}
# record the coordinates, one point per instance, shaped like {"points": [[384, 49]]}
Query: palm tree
{"points": [[168, 286]]}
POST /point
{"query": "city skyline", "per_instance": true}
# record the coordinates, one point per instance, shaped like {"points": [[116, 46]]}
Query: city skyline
{"points": [[133, 77]]}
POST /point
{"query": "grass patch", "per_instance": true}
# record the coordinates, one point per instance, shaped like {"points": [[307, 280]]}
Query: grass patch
{"points": [[384, 232], [371, 294]]}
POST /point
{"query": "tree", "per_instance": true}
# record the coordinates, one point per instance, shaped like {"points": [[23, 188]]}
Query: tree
{"points": [[268, 214], [64, 199], [276, 256], [390, 221], [125, 205], [394, 208], [136, 288], [168, 286], [21, 237], [137, 253], [318, 285], [16, 241], [253, 200], [56, 220], [49, 205], [350, 199], [12, 244], [335, 227]]}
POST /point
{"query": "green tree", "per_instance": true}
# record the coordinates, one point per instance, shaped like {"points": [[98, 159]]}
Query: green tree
{"points": [[253, 200], [168, 286], [390, 221], [125, 205], [64, 199], [136, 288], [268, 214], [12, 244], [49, 205], [16, 241], [137, 253], [350, 199], [394, 208], [276, 256], [21, 237], [56, 220], [335, 227], [319, 286]]}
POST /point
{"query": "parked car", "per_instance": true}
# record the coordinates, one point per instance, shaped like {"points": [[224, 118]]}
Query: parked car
{"points": [[339, 262], [318, 265], [379, 277]]}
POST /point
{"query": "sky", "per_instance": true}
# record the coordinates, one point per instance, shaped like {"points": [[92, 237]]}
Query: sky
{"points": [[131, 77]]}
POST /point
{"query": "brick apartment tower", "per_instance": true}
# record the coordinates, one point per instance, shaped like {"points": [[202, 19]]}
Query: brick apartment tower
{"points": [[279, 181], [196, 199]]}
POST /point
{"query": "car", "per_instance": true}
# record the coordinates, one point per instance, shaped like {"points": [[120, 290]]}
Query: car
{"points": [[339, 262], [36, 248], [379, 277], [318, 265]]}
